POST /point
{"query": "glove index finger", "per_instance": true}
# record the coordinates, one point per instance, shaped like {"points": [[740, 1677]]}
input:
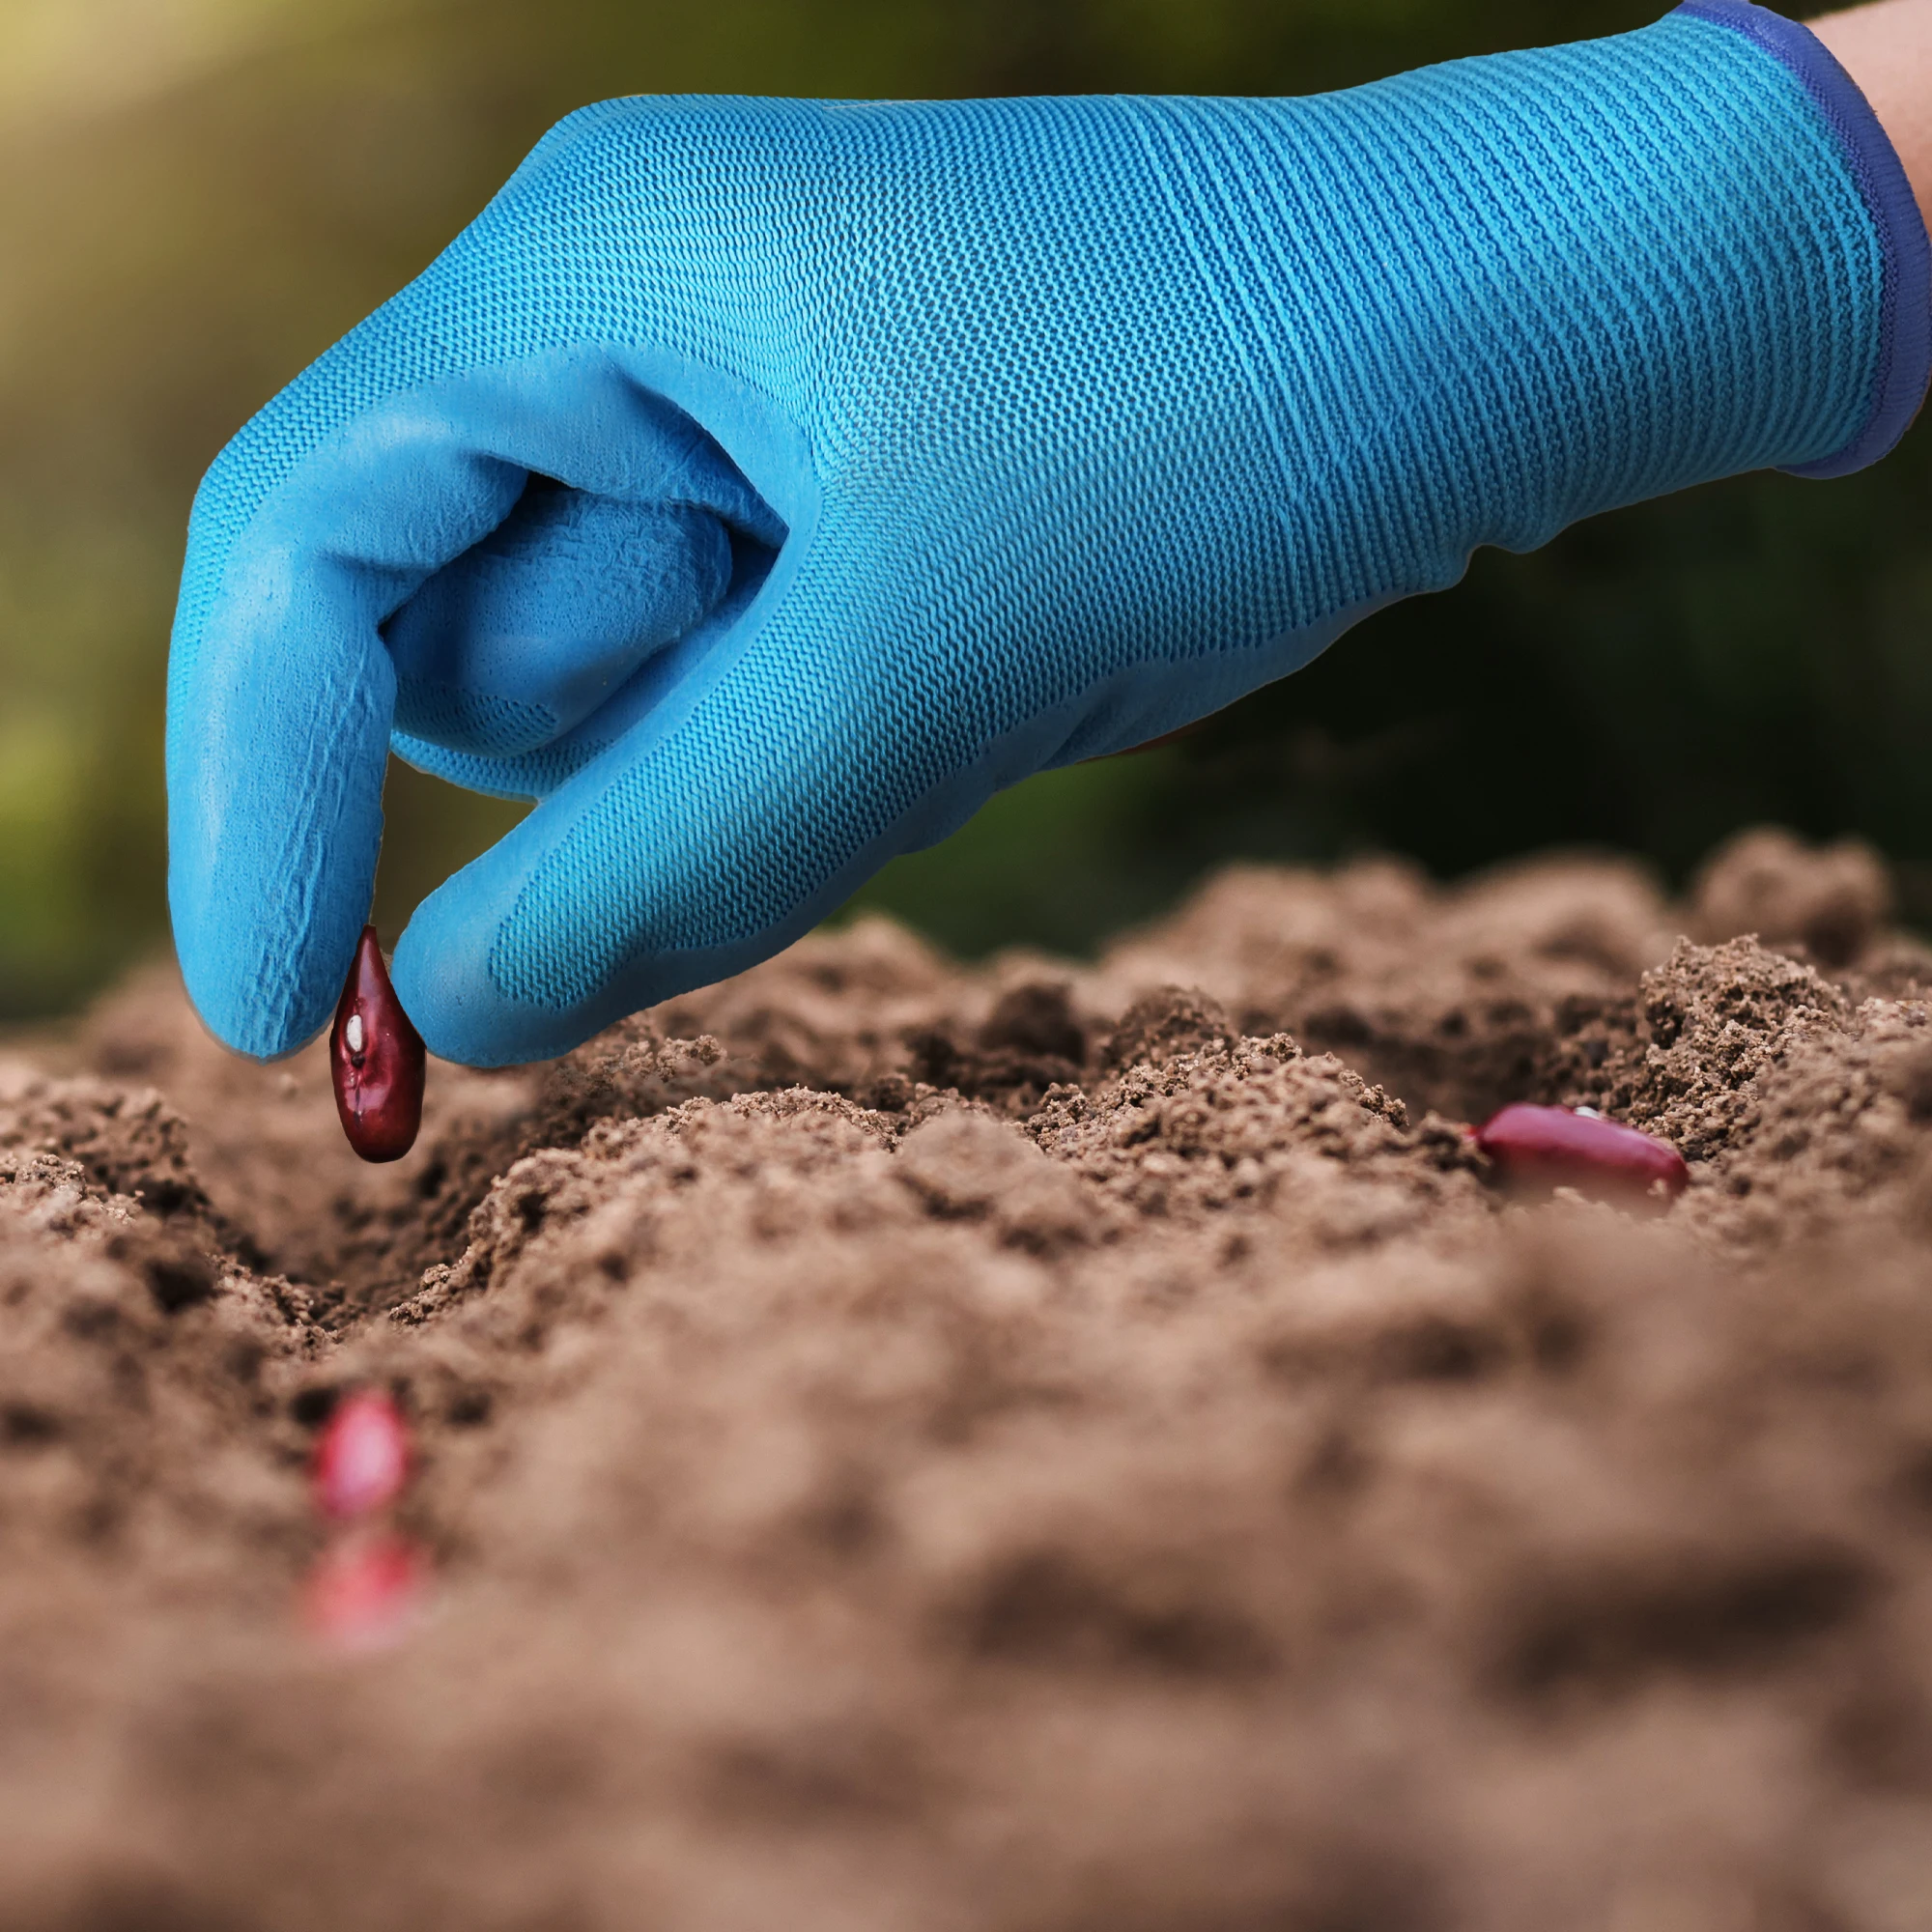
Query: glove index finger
{"points": [[280, 698]]}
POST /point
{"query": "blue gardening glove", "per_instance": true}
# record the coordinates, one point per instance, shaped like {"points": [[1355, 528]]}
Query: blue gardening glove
{"points": [[762, 484]]}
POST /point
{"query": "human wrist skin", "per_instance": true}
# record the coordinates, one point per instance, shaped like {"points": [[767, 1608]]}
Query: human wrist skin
{"points": [[1887, 50], [1080, 418]]}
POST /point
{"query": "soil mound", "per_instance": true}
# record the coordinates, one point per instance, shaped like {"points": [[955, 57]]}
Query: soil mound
{"points": [[1025, 1449]]}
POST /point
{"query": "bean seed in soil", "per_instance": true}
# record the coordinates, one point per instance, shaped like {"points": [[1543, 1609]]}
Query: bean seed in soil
{"points": [[363, 1592], [376, 1060], [362, 1457], [1558, 1147]]}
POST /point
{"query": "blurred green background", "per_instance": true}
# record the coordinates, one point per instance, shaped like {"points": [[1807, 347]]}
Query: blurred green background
{"points": [[197, 196]]}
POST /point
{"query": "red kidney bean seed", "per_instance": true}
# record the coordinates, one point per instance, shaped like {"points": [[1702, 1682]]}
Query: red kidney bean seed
{"points": [[362, 1457], [1558, 1147], [376, 1058], [363, 1592]]}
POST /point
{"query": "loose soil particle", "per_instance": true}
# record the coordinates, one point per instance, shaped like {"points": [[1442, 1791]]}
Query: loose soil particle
{"points": [[1036, 1447]]}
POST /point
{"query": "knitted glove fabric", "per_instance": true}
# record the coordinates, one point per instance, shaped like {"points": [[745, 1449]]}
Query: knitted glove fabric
{"points": [[762, 484]]}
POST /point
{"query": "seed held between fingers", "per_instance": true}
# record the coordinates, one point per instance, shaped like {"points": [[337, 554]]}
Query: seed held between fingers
{"points": [[1559, 1147], [376, 1059]]}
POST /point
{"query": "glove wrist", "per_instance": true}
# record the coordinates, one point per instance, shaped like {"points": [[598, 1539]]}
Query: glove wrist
{"points": [[1479, 301], [1905, 320]]}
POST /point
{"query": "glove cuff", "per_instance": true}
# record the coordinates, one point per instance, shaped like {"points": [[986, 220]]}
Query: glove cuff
{"points": [[1904, 314]]}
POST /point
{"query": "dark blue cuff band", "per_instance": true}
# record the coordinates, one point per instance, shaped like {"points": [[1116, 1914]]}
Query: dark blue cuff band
{"points": [[1905, 301]]}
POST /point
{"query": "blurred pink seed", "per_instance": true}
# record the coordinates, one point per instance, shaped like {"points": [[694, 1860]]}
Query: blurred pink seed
{"points": [[362, 1456], [363, 1592], [1557, 1147]]}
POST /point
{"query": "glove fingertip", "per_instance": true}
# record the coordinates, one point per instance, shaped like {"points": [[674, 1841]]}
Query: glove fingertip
{"points": [[441, 974]]}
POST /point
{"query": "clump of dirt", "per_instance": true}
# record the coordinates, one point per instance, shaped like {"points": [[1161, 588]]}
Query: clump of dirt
{"points": [[1829, 904], [1041, 1446]]}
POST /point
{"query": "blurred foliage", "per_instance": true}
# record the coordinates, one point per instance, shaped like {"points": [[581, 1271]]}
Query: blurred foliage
{"points": [[197, 196]]}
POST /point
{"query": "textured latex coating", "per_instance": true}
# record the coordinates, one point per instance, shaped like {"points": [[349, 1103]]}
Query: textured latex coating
{"points": [[762, 484]]}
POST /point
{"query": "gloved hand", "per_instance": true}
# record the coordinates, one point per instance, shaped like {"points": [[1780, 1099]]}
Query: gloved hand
{"points": [[762, 484]]}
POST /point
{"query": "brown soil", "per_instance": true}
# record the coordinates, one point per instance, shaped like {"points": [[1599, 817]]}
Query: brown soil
{"points": [[1028, 1449]]}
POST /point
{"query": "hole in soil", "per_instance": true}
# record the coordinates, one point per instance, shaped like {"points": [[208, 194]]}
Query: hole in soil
{"points": [[1437, 1349], [1611, 1634], [311, 1408], [1044, 1607], [23, 1426]]}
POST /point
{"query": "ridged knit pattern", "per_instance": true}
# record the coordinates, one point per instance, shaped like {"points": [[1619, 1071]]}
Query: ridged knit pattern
{"points": [[1115, 407], [443, 714]]}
